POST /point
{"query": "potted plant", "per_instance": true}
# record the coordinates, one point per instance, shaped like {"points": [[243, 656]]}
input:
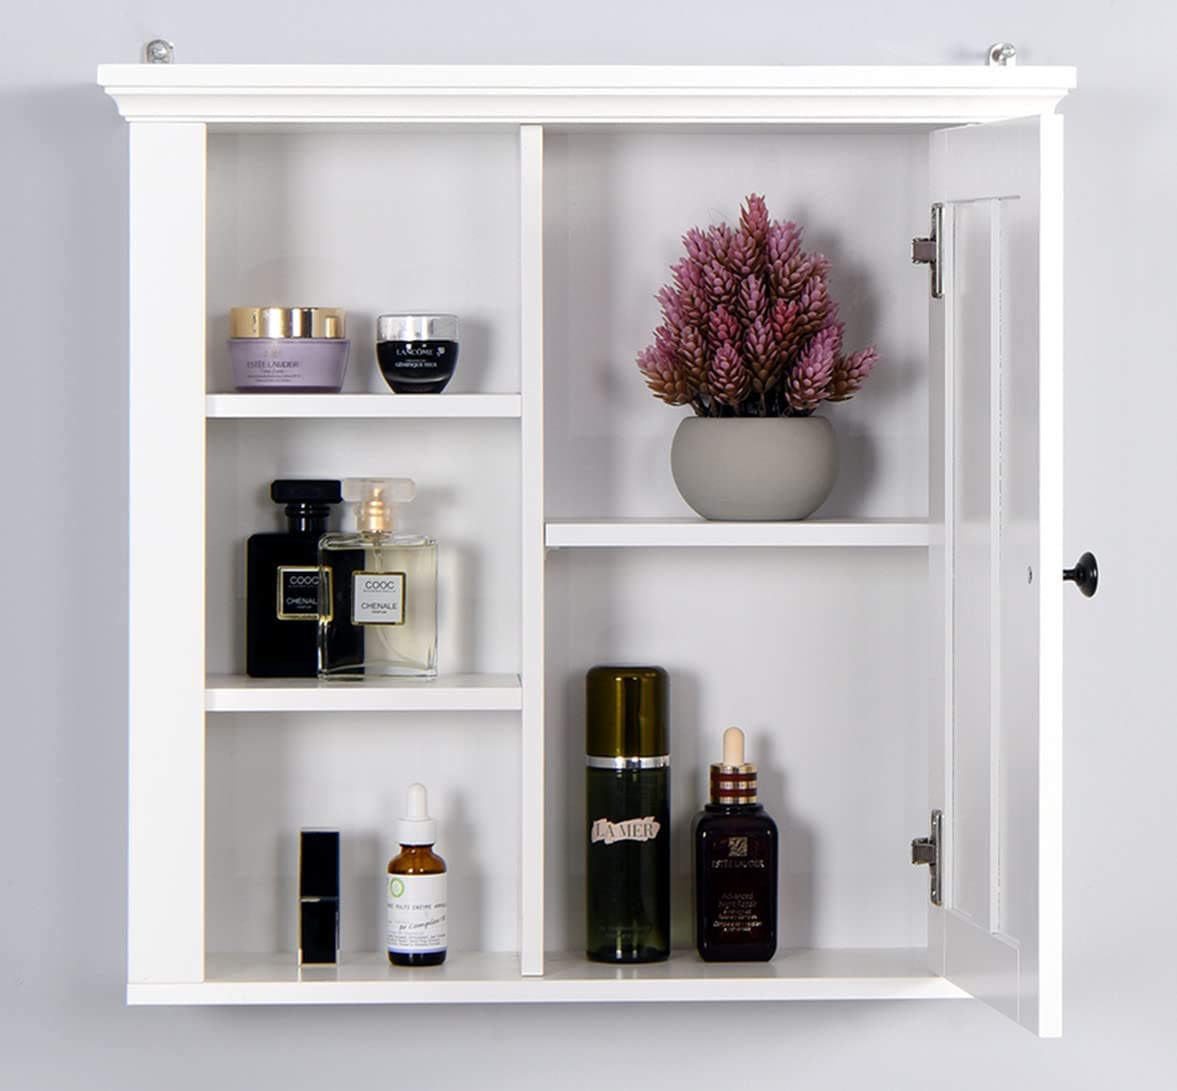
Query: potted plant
{"points": [[750, 339]]}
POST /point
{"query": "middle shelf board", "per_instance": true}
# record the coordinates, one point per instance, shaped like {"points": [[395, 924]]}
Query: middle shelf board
{"points": [[445, 693], [396, 406], [659, 533]]}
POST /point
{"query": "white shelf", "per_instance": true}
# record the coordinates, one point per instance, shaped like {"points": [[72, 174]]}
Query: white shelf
{"points": [[446, 693], [417, 406], [880, 974], [244, 95], [658, 533]]}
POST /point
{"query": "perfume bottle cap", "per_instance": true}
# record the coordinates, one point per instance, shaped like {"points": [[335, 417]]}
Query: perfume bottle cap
{"points": [[376, 499], [626, 712], [416, 828], [733, 780], [305, 491]]}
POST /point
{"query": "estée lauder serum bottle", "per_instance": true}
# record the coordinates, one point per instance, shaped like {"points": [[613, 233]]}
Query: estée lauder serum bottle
{"points": [[383, 591], [735, 864]]}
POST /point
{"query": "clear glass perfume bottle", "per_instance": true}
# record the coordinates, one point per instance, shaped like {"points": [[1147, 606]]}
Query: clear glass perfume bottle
{"points": [[383, 594]]}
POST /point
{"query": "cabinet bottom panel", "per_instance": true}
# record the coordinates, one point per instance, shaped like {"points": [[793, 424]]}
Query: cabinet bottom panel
{"points": [[494, 977]]}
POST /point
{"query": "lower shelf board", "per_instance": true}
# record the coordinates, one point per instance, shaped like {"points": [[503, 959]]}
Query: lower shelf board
{"points": [[490, 977]]}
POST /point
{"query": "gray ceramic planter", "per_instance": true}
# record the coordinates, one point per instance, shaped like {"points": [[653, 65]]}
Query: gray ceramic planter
{"points": [[754, 468]]}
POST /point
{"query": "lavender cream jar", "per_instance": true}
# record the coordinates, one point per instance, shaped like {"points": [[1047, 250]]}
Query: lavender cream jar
{"points": [[288, 349]]}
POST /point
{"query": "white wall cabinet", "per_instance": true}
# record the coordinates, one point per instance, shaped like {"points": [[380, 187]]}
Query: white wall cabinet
{"points": [[543, 205]]}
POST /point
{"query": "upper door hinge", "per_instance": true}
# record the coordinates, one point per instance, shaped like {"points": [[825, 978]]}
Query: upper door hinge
{"points": [[928, 251], [926, 850]]}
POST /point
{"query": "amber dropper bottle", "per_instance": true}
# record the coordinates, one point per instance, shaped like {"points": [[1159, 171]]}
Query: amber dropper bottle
{"points": [[416, 890]]}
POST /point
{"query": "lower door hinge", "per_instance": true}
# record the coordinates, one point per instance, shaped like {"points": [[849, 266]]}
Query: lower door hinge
{"points": [[928, 251], [926, 850]]}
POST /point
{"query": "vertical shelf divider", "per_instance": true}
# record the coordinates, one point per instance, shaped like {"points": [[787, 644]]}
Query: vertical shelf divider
{"points": [[165, 939], [531, 448]]}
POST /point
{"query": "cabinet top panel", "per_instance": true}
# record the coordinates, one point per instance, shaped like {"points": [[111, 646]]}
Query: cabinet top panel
{"points": [[571, 96]]}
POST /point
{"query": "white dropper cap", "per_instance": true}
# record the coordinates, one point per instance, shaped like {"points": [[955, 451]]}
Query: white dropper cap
{"points": [[417, 828], [733, 747]]}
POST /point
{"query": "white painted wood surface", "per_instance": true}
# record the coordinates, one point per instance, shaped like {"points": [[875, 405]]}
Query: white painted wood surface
{"points": [[388, 406], [881, 974], [165, 898], [235, 95], [1000, 782], [446, 693], [688, 533], [532, 558]]}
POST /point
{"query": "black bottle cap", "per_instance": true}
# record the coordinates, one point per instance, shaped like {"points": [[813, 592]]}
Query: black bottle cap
{"points": [[626, 712], [304, 491], [318, 864]]}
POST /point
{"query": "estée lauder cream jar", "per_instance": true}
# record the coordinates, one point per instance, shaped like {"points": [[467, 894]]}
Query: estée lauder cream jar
{"points": [[294, 349]]}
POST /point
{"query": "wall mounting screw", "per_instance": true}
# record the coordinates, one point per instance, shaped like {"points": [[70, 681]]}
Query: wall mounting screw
{"points": [[1003, 54], [159, 51]]}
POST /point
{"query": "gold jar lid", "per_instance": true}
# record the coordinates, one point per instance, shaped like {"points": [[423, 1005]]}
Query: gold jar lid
{"points": [[282, 322]]}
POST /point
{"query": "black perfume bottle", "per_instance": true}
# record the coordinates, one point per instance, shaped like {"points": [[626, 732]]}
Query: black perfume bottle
{"points": [[627, 795], [282, 584], [735, 864], [417, 353]]}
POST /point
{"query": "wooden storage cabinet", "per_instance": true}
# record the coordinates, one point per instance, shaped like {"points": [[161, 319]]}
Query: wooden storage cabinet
{"points": [[543, 205]]}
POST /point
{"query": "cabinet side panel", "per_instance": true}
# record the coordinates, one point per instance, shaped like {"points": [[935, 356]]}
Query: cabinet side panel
{"points": [[166, 554]]}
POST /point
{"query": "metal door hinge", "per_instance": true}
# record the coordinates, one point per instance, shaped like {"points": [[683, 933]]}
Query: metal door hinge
{"points": [[926, 850], [927, 251]]}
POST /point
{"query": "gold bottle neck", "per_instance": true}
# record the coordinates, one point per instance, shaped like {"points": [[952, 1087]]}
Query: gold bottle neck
{"points": [[733, 784], [374, 516]]}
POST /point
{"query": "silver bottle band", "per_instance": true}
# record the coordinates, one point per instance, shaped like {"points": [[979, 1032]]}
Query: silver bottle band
{"points": [[595, 762]]}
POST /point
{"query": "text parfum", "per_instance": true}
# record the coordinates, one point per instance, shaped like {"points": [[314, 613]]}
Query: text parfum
{"points": [[383, 591]]}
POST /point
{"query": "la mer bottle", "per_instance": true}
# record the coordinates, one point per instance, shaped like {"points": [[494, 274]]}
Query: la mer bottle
{"points": [[627, 796], [416, 890]]}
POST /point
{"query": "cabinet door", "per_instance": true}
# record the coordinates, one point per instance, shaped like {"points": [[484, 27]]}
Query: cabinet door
{"points": [[996, 511]]}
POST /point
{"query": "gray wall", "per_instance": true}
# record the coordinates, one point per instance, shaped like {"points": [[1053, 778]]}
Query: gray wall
{"points": [[63, 758]]}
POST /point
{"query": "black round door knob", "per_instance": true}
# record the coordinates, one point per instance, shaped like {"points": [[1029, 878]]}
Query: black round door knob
{"points": [[1085, 574]]}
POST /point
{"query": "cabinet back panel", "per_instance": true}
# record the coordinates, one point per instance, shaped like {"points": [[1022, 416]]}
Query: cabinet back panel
{"points": [[821, 656], [615, 208], [391, 222], [467, 475], [270, 775]]}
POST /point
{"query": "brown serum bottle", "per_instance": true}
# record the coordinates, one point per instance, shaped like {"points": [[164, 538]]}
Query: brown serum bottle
{"points": [[415, 890], [735, 864]]}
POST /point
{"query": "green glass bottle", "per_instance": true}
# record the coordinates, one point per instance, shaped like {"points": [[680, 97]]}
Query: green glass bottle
{"points": [[627, 820]]}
